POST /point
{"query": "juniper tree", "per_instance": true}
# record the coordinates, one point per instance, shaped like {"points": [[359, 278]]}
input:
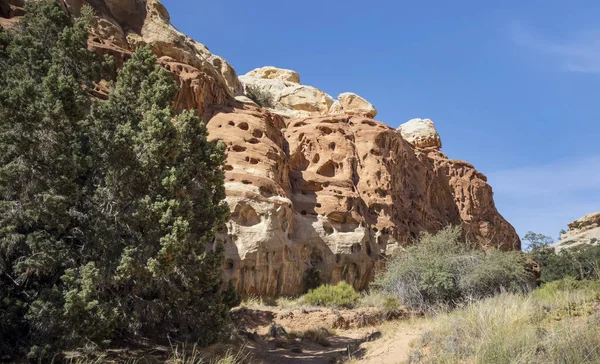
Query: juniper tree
{"points": [[160, 194], [42, 104], [108, 212]]}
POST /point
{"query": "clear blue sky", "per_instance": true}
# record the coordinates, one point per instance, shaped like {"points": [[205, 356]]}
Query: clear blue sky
{"points": [[513, 86]]}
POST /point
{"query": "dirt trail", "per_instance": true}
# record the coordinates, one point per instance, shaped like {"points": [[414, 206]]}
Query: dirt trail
{"points": [[354, 335], [391, 349]]}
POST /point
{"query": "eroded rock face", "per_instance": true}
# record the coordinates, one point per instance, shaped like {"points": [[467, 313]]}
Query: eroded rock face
{"points": [[310, 183], [338, 193], [585, 230], [122, 25], [287, 98]]}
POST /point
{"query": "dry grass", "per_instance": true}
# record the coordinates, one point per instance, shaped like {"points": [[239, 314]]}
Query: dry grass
{"points": [[183, 354], [548, 327]]}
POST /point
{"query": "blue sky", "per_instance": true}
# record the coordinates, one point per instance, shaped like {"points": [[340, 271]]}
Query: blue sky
{"points": [[513, 86]]}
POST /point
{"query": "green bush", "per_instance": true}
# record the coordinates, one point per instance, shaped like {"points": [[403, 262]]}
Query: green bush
{"points": [[568, 284], [441, 269], [342, 295], [261, 97], [580, 262]]}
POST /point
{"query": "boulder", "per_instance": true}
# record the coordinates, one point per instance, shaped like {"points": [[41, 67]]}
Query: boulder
{"points": [[351, 103], [270, 73], [288, 98], [420, 133]]}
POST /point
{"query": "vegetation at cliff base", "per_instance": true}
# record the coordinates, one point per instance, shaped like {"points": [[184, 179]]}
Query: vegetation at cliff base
{"points": [[442, 269], [579, 262], [341, 295], [108, 209], [553, 325]]}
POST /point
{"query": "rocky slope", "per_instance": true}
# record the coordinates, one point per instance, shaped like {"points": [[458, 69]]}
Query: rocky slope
{"points": [[311, 181], [585, 230]]}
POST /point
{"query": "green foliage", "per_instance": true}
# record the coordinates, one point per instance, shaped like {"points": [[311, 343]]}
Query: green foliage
{"points": [[568, 284], [261, 97], [580, 262], [342, 295], [441, 269], [108, 212]]}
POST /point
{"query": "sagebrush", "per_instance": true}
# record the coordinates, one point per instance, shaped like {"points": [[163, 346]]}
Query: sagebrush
{"points": [[341, 295], [442, 269]]}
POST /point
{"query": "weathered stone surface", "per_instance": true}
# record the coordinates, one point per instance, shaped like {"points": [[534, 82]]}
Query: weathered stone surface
{"points": [[289, 98], [585, 230], [352, 104], [270, 72], [337, 193], [421, 133], [306, 188], [122, 25]]}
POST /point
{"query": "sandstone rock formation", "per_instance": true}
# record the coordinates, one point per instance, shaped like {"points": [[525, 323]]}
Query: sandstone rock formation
{"points": [[420, 133], [270, 72], [352, 104], [288, 96], [311, 182], [585, 230]]}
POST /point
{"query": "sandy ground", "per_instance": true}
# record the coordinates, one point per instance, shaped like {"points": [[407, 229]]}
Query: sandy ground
{"points": [[359, 336]]}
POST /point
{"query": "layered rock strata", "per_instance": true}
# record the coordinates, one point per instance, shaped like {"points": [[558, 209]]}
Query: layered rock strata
{"points": [[583, 231]]}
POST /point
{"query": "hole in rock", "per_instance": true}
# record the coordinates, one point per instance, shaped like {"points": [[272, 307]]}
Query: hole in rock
{"points": [[327, 169], [245, 215], [231, 123], [332, 145], [253, 141], [243, 126], [257, 133], [370, 123], [316, 158], [227, 167], [238, 148], [246, 182], [325, 130]]}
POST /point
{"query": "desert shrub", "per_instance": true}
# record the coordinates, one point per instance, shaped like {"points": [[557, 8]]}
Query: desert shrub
{"points": [[260, 96], [442, 269], [342, 295], [566, 285], [379, 300]]}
